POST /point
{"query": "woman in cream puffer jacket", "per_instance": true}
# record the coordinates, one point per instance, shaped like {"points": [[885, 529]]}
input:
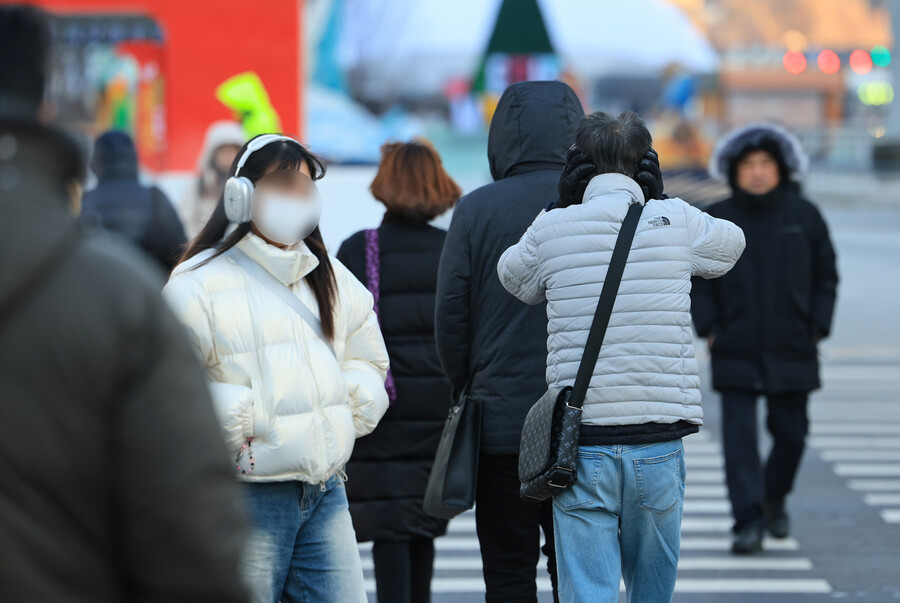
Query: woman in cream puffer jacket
{"points": [[291, 398], [272, 379]]}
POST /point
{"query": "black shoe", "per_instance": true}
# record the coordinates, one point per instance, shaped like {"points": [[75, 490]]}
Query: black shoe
{"points": [[777, 521], [747, 540]]}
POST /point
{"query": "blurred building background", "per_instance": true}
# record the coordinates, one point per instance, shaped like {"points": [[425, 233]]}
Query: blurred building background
{"points": [[346, 75]]}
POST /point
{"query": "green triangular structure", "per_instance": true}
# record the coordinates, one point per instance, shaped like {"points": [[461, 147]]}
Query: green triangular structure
{"points": [[519, 29]]}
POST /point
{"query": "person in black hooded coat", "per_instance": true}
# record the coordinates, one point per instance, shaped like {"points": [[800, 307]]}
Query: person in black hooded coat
{"points": [[119, 203], [491, 343], [389, 470], [764, 320]]}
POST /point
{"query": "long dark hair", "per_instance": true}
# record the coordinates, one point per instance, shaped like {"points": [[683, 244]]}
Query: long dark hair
{"points": [[281, 155]]}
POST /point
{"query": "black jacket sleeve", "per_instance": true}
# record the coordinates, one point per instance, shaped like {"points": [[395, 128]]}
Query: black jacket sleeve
{"points": [[165, 238], [825, 276], [452, 304], [177, 503], [704, 309]]}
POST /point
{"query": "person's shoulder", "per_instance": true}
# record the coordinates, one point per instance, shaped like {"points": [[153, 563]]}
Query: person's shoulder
{"points": [[353, 244]]}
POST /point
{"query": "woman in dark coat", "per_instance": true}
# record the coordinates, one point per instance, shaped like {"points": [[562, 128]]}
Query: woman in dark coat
{"points": [[389, 469]]}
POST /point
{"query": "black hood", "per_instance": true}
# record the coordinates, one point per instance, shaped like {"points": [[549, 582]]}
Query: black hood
{"points": [[533, 127], [115, 157]]}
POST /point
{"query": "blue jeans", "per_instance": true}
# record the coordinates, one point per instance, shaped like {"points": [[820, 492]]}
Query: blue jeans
{"points": [[621, 519], [303, 547]]}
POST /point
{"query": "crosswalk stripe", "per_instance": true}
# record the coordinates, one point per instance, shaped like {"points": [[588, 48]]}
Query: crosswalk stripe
{"points": [[867, 470], [702, 505], [692, 490], [682, 585], [688, 524], [703, 476], [704, 462], [891, 515], [724, 544], [861, 455], [706, 524], [771, 585], [854, 428], [745, 563], [882, 499], [874, 485], [474, 563], [853, 442]]}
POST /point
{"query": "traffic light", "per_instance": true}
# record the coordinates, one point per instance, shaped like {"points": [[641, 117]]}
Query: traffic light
{"points": [[829, 62], [860, 62], [881, 56], [875, 94], [794, 62]]}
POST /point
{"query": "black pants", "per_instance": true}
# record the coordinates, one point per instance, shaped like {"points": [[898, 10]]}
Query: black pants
{"points": [[509, 530], [749, 483], [403, 570]]}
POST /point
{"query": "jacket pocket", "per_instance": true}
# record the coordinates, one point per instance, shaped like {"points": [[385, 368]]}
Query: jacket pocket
{"points": [[660, 481]]}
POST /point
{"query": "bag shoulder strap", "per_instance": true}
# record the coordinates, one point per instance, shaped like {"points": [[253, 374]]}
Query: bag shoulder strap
{"points": [[280, 290], [373, 284], [605, 305]]}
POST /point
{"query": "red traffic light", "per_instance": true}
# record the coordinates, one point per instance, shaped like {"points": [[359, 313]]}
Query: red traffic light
{"points": [[794, 62], [829, 62], [860, 62]]}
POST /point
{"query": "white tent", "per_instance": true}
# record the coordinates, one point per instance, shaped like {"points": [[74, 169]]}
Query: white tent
{"points": [[416, 47]]}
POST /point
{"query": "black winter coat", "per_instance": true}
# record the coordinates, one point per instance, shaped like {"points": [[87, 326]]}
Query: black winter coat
{"points": [[120, 204], [389, 470], [117, 486], [769, 310], [484, 334]]}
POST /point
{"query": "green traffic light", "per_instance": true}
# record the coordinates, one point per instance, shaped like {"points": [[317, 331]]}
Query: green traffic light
{"points": [[881, 56]]}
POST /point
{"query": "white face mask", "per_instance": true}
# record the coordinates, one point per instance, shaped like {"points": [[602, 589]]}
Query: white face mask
{"points": [[287, 219]]}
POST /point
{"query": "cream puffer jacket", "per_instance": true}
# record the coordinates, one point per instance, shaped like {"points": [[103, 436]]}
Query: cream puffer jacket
{"points": [[272, 379], [646, 372]]}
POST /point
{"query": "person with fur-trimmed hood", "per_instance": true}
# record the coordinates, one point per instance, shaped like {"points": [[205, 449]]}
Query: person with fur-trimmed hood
{"points": [[764, 320]]}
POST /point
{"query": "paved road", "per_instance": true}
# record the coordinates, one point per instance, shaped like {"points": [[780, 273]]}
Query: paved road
{"points": [[846, 511]]}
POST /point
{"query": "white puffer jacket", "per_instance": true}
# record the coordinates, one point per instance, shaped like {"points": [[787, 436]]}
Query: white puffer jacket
{"points": [[646, 372], [272, 378]]}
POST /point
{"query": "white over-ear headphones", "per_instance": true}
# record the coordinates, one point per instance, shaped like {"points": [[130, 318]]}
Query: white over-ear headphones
{"points": [[239, 190]]}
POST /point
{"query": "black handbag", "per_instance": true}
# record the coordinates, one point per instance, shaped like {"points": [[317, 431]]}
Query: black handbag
{"points": [[451, 484], [548, 453]]}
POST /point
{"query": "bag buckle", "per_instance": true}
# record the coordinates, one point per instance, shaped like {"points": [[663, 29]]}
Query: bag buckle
{"points": [[554, 476]]}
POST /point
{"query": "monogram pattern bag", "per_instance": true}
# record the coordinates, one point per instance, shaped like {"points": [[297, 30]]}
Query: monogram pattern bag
{"points": [[548, 452]]}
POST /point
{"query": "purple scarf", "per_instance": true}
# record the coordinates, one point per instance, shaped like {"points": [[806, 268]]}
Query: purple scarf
{"points": [[373, 284]]}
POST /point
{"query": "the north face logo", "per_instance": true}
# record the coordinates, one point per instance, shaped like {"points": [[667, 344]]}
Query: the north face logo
{"points": [[659, 221]]}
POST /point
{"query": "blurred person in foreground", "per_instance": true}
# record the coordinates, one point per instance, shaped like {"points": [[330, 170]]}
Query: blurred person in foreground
{"points": [[117, 483], [389, 470], [119, 203], [764, 320], [622, 518], [296, 363], [221, 144]]}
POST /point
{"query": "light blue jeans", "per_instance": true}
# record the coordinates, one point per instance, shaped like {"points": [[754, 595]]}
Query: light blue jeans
{"points": [[303, 547], [621, 519]]}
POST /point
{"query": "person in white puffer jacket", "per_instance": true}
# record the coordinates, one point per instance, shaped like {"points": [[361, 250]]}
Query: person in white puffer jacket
{"points": [[292, 395], [644, 395]]}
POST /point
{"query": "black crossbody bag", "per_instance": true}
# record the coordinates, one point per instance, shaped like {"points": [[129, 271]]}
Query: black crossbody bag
{"points": [[548, 453]]}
